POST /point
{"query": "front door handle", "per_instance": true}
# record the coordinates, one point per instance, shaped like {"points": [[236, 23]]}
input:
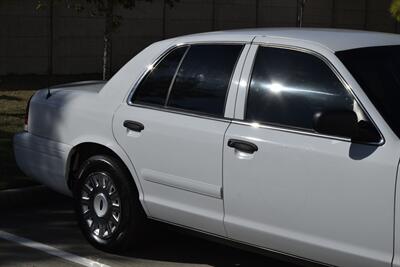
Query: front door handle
{"points": [[134, 126], [243, 146]]}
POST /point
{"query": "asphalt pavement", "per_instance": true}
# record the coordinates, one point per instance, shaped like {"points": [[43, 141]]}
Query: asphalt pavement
{"points": [[39, 229]]}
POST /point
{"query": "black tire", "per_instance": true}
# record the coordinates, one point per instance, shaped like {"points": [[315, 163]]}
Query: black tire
{"points": [[110, 220]]}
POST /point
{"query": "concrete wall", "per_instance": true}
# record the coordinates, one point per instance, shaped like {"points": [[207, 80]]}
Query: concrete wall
{"points": [[72, 43]]}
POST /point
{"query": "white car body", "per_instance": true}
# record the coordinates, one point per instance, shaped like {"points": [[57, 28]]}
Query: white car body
{"points": [[315, 200]]}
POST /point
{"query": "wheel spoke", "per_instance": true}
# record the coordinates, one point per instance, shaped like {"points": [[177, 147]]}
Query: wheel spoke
{"points": [[109, 229], [116, 210], [87, 186], [115, 216], [101, 205], [108, 185], [116, 207], [85, 201], [94, 181], [87, 214], [112, 190], [89, 222], [86, 190], [93, 227], [101, 229], [104, 181], [114, 197]]}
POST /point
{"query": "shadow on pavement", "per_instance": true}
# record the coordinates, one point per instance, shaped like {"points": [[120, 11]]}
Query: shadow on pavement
{"points": [[48, 217]]}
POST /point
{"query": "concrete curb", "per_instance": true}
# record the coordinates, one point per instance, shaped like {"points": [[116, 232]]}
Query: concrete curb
{"points": [[11, 198]]}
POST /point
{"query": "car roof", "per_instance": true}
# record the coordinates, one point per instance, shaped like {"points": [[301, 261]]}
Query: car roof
{"points": [[333, 39]]}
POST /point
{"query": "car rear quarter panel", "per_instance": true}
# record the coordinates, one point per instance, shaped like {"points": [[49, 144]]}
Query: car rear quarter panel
{"points": [[75, 117]]}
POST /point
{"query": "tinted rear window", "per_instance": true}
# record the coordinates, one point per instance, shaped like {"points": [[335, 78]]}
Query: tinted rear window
{"points": [[154, 88], [203, 79]]}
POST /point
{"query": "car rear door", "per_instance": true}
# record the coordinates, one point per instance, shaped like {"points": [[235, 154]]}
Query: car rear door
{"points": [[173, 129], [292, 190]]}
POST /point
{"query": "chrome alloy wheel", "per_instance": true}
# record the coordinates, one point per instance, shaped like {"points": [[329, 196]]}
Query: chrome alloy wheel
{"points": [[100, 205]]}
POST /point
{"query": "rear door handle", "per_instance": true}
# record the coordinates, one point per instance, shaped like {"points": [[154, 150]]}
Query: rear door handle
{"points": [[134, 126], [243, 146]]}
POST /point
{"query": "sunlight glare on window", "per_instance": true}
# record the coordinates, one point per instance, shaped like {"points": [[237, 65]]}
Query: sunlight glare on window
{"points": [[276, 87], [255, 125]]}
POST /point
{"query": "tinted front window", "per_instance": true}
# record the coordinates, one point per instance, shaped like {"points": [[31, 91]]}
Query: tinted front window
{"points": [[154, 88], [289, 87], [377, 70], [203, 78]]}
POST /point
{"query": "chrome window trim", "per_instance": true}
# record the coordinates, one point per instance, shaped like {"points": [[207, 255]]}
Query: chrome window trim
{"points": [[163, 55], [147, 70], [299, 131], [288, 130], [182, 112], [295, 130], [175, 74]]}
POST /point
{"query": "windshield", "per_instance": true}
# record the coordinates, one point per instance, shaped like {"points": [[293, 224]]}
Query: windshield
{"points": [[377, 70]]}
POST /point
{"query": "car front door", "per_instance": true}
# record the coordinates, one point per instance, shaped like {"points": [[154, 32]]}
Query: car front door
{"points": [[173, 129], [290, 189]]}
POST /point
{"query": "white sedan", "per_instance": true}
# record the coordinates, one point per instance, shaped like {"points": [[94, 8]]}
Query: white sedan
{"points": [[284, 140]]}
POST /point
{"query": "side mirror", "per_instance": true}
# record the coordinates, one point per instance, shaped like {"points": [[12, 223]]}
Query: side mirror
{"points": [[366, 133], [344, 123], [336, 122]]}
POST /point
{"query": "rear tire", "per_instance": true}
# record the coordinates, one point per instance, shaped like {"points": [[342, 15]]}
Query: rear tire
{"points": [[107, 205]]}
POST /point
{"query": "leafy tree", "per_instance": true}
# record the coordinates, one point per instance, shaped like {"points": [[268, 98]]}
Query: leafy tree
{"points": [[395, 9], [102, 8]]}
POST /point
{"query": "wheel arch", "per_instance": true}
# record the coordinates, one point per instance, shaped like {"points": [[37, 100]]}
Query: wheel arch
{"points": [[85, 149]]}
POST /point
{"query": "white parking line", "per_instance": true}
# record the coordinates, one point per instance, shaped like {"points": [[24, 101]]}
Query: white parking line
{"points": [[50, 250]]}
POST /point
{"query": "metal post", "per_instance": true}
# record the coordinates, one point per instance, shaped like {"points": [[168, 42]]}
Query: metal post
{"points": [[333, 18], [257, 15], [164, 19], [51, 37], [214, 24], [366, 14], [300, 12]]}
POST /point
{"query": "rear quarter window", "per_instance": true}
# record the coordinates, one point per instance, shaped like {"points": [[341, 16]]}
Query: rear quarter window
{"points": [[154, 87], [203, 78]]}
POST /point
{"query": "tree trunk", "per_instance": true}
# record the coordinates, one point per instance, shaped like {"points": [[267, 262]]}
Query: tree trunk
{"points": [[108, 28], [51, 38], [300, 12]]}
